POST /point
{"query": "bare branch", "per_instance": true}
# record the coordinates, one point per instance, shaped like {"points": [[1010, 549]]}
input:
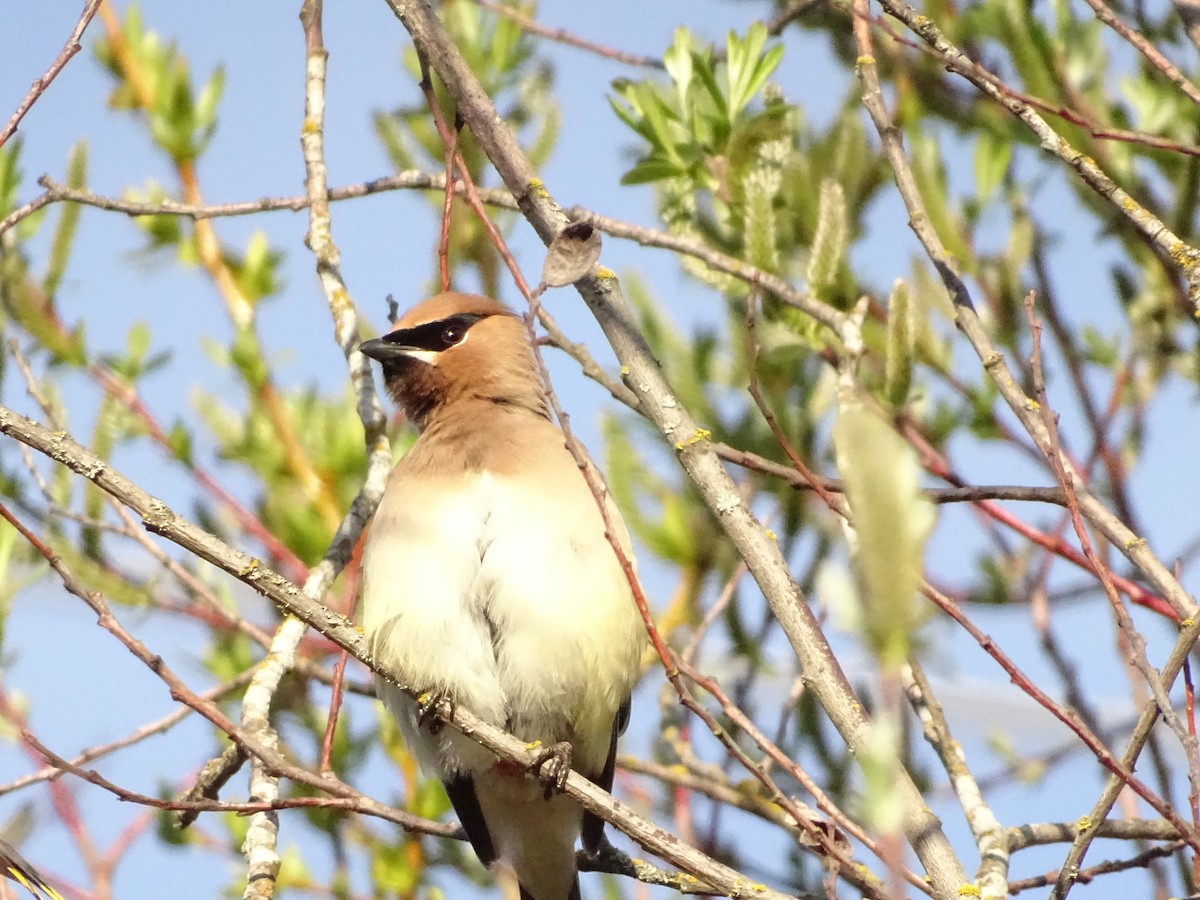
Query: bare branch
{"points": [[40, 84]]}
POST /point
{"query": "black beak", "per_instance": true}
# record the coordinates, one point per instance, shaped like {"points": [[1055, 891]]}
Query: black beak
{"points": [[382, 350]]}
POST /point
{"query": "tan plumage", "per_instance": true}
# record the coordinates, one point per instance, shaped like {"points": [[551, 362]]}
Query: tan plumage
{"points": [[487, 577]]}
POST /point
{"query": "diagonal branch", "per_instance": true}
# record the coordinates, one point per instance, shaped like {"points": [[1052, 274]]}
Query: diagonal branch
{"points": [[40, 84]]}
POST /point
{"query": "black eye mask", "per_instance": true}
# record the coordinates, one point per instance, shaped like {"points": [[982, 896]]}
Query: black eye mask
{"points": [[435, 336]]}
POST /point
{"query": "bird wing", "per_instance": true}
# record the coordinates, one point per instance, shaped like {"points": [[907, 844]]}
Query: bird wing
{"points": [[461, 791]]}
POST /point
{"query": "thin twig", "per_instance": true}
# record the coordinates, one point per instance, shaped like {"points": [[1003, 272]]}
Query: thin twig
{"points": [[1141, 861], [39, 85], [994, 847], [1143, 46], [765, 411], [1135, 641], [1121, 770], [563, 36], [159, 726], [649, 237]]}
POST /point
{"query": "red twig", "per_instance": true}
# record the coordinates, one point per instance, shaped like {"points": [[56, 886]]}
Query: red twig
{"points": [[681, 799], [289, 561], [349, 802], [937, 464], [562, 36], [780, 438], [450, 140], [339, 670], [819, 832], [60, 795], [1135, 641], [125, 839], [126, 394]]}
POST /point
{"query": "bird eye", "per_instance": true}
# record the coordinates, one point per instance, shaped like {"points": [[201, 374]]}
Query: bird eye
{"points": [[453, 334]]}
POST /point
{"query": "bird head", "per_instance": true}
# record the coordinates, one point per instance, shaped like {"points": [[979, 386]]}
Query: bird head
{"points": [[454, 348]]}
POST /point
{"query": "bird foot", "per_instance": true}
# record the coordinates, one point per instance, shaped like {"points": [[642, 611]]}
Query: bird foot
{"points": [[432, 707], [553, 764]]}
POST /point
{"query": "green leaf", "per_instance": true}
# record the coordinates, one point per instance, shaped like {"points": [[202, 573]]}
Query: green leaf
{"points": [[765, 66], [68, 221], [658, 117], [392, 870], [652, 170], [138, 340], [678, 63], [256, 270], [246, 355], [205, 115], [10, 175], [293, 871], [1098, 349], [747, 66], [703, 67], [180, 441]]}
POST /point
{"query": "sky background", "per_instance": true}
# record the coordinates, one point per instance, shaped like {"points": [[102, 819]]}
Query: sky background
{"points": [[386, 243]]}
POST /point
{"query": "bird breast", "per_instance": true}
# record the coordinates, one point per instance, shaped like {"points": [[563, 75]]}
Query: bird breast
{"points": [[503, 591]]}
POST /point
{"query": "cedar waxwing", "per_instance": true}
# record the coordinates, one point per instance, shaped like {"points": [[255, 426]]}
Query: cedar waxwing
{"points": [[487, 578]]}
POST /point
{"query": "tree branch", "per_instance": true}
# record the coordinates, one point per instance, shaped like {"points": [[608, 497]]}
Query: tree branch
{"points": [[40, 84]]}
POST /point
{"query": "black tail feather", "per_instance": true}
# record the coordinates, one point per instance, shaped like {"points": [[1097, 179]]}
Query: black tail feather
{"points": [[461, 791]]}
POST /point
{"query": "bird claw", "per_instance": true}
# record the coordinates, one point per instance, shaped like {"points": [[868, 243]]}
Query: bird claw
{"points": [[431, 707], [553, 764]]}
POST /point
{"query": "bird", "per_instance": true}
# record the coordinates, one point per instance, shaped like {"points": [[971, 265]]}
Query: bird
{"points": [[488, 580]]}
